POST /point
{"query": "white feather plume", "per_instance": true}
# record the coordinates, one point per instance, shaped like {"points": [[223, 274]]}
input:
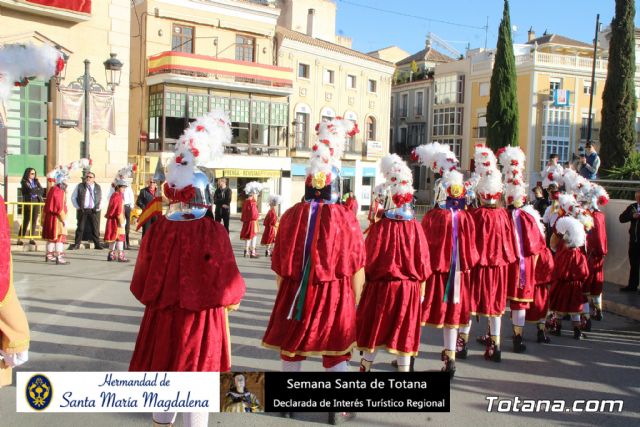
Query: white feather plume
{"points": [[572, 231], [275, 199], [253, 187], [536, 216]]}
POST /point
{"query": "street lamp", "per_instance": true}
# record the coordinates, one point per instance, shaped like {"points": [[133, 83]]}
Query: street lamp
{"points": [[113, 70]]}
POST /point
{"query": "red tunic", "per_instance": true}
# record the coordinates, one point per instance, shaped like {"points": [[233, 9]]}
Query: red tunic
{"points": [[533, 242], [495, 241], [438, 229], [270, 222], [5, 252], [596, 251], [54, 214], [539, 308], [389, 311], [185, 283], [570, 272], [351, 204], [328, 325], [115, 219], [249, 220]]}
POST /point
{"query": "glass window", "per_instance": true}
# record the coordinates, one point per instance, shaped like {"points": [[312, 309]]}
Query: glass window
{"points": [[371, 129], [555, 83], [329, 77], [245, 48], [351, 81], [404, 106], [182, 39], [303, 70], [392, 105], [419, 103], [556, 134], [301, 129], [484, 89], [372, 86], [26, 121]]}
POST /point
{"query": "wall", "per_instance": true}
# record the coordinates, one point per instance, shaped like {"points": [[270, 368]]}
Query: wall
{"points": [[616, 265]]}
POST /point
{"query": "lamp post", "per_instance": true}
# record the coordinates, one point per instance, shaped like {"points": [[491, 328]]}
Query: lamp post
{"points": [[113, 71]]}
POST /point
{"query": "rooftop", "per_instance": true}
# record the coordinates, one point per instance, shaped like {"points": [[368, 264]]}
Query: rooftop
{"points": [[559, 40], [426, 54]]}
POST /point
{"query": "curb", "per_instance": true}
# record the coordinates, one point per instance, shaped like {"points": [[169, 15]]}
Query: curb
{"points": [[622, 309]]}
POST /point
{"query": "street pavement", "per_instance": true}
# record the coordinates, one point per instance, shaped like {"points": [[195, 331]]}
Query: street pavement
{"points": [[83, 318]]}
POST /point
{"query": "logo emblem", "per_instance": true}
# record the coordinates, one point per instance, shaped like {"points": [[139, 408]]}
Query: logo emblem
{"points": [[39, 392]]}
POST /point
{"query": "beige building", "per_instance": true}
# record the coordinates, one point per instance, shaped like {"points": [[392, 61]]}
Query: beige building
{"points": [[190, 57], [332, 80], [34, 135]]}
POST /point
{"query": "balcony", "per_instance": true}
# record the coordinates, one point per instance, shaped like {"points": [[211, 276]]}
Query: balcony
{"points": [[215, 72], [541, 59]]}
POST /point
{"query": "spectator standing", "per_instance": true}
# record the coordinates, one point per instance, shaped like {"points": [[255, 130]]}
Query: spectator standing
{"points": [[632, 214], [146, 196], [589, 162], [32, 192], [222, 201], [86, 199]]}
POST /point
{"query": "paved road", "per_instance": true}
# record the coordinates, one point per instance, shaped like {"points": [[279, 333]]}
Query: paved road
{"points": [[83, 318]]}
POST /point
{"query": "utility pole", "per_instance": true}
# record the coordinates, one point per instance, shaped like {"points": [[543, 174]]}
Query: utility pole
{"points": [[593, 76]]}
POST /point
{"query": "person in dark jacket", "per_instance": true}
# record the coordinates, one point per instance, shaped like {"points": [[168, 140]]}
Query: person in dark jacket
{"points": [[632, 214], [86, 199], [222, 201], [540, 203], [32, 192], [146, 196]]}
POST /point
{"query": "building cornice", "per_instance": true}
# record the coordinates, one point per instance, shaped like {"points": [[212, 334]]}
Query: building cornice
{"points": [[196, 10], [179, 79]]}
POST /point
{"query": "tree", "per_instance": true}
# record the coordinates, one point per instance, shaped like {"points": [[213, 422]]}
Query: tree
{"points": [[617, 133], [414, 67], [502, 110]]}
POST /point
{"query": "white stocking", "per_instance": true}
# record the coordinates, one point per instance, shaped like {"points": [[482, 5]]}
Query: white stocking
{"points": [[466, 329], [575, 317], [450, 338], [370, 357], [51, 247], [403, 363], [195, 419], [340, 367], [585, 308], [494, 325], [247, 245], [518, 317], [113, 246], [59, 248], [120, 246], [164, 417], [288, 366], [254, 241]]}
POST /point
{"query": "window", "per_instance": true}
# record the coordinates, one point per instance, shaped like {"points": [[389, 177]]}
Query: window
{"points": [[482, 125], [584, 129], [371, 129], [182, 39], [350, 145], [303, 70], [484, 89], [455, 144], [556, 134], [26, 121], [372, 86], [419, 103], [329, 77], [301, 128], [416, 134], [245, 48], [351, 81], [447, 121], [449, 89], [392, 105], [404, 105], [403, 136], [555, 83], [586, 88]]}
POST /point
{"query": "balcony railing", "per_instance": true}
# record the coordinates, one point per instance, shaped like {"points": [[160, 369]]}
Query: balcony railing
{"points": [[209, 66], [536, 58]]}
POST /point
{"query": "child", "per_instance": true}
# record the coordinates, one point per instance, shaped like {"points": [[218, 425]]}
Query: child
{"points": [[570, 272], [114, 234], [250, 215], [270, 225]]}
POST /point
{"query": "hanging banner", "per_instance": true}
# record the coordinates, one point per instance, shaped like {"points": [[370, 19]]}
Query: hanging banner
{"points": [[72, 106], [102, 114], [83, 6]]}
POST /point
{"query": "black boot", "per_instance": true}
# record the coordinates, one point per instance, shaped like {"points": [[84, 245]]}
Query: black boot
{"points": [[449, 364], [586, 325], [577, 333], [518, 346], [461, 348], [542, 337], [598, 315], [492, 352], [336, 418]]}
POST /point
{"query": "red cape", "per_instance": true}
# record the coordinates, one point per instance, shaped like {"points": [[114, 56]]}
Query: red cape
{"points": [[269, 233], [249, 211], [54, 205], [397, 250], [570, 266], [339, 250], [177, 267], [597, 237], [438, 230], [495, 239]]}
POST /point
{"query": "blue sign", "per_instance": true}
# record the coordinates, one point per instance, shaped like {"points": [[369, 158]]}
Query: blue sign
{"points": [[369, 172]]}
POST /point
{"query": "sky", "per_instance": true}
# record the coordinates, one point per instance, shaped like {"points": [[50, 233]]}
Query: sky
{"points": [[374, 24]]}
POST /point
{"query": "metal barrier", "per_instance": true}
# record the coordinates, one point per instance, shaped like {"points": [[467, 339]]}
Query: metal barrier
{"points": [[619, 189], [25, 213], [420, 210]]}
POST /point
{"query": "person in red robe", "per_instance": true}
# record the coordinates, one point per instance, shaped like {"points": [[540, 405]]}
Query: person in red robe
{"points": [[270, 225], [495, 241], [14, 327], [351, 204], [597, 248], [114, 233], [318, 258], [539, 307], [570, 272], [187, 283], [397, 266], [54, 215], [249, 218], [530, 241]]}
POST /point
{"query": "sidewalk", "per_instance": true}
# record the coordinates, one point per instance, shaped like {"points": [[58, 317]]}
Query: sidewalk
{"points": [[625, 304]]}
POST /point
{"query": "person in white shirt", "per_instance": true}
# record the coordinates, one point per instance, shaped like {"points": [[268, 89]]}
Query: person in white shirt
{"points": [[86, 198]]}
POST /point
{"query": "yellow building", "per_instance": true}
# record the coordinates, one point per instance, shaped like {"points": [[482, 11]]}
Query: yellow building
{"points": [[331, 80], [554, 83], [35, 136], [190, 57]]}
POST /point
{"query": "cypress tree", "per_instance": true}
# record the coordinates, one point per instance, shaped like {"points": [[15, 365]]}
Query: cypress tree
{"points": [[617, 133], [502, 110]]}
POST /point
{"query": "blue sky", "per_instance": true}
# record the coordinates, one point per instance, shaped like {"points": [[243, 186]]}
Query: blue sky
{"points": [[372, 29]]}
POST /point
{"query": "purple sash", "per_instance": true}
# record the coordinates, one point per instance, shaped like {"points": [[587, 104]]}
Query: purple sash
{"points": [[518, 222]]}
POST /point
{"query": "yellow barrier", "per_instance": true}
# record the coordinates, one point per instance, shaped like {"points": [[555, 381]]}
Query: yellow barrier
{"points": [[25, 213]]}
